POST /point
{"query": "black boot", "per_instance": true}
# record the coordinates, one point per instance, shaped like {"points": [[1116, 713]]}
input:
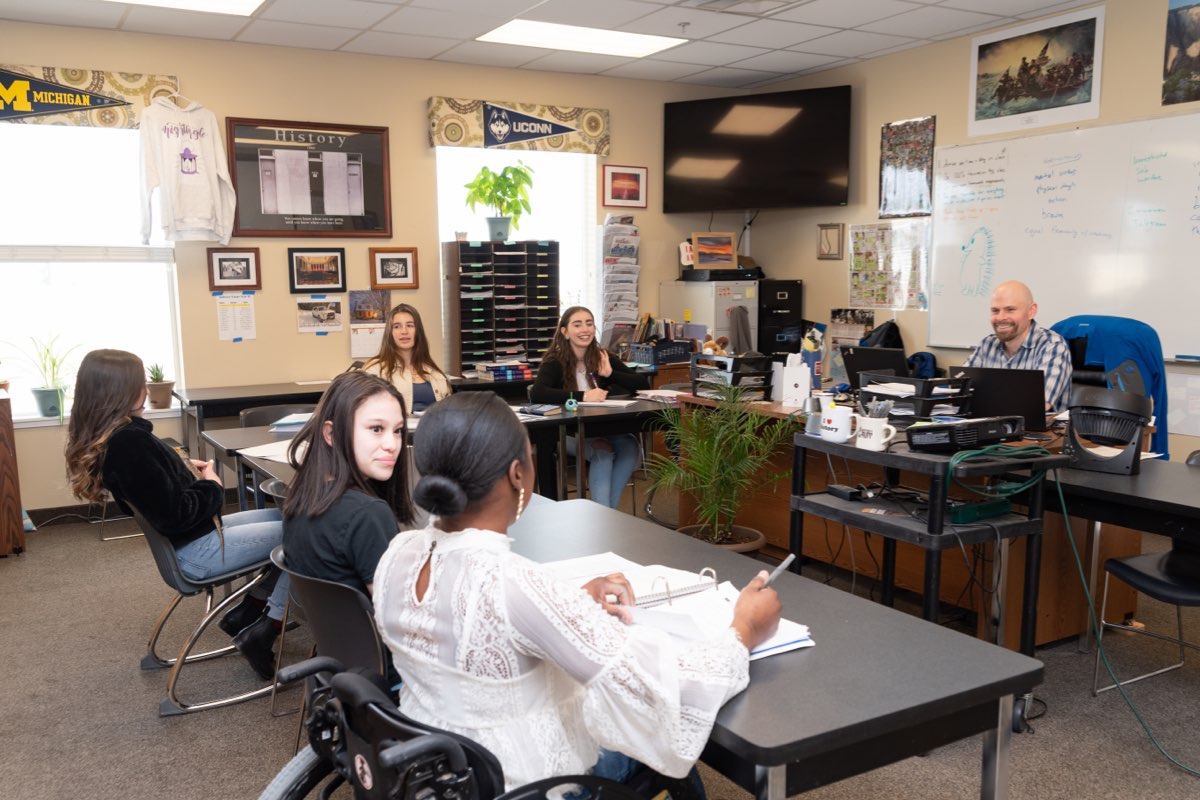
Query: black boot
{"points": [[238, 618], [256, 643]]}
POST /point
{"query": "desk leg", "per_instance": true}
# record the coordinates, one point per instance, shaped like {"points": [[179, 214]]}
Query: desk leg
{"points": [[994, 785], [1033, 569], [888, 593], [199, 434], [1085, 638], [580, 459], [1000, 581], [933, 583], [770, 783], [796, 518]]}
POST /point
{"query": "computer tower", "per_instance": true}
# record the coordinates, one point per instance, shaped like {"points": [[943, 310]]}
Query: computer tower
{"points": [[780, 317]]}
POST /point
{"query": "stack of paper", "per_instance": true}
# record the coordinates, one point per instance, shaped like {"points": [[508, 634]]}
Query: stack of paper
{"points": [[290, 423], [621, 243]]}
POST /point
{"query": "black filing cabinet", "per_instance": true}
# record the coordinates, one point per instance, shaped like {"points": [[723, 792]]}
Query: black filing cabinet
{"points": [[780, 316]]}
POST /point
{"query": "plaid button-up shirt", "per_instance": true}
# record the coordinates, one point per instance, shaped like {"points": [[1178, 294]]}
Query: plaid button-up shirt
{"points": [[1042, 349]]}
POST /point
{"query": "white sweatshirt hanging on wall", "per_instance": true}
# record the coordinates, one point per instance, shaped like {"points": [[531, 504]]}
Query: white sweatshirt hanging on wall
{"points": [[183, 158]]}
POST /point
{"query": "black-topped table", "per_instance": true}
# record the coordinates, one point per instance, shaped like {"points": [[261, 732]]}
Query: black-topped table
{"points": [[227, 401], [226, 442], [878, 687]]}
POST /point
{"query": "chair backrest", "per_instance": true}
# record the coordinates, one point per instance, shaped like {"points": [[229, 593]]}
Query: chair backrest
{"points": [[341, 618], [265, 415], [164, 557]]}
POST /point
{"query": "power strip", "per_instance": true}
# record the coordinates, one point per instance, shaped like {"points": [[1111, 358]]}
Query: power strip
{"points": [[973, 512], [844, 492]]}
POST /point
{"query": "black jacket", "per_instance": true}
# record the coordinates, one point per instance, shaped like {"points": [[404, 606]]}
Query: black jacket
{"points": [[550, 385]]}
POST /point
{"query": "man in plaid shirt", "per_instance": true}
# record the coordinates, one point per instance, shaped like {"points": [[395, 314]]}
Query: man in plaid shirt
{"points": [[1020, 343]]}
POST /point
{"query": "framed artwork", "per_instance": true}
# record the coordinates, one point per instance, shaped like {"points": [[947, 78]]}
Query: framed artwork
{"points": [[309, 179], [831, 241], [906, 168], [714, 250], [233, 268], [1043, 73], [624, 187], [394, 268], [316, 270]]}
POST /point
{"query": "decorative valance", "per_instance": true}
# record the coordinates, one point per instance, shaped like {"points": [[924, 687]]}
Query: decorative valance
{"points": [[79, 97], [455, 122]]}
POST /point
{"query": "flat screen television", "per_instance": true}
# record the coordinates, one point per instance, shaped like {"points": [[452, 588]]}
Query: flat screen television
{"points": [[773, 150]]}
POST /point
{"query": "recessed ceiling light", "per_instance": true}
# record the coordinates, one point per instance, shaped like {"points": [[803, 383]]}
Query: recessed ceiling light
{"points": [[242, 8], [574, 37]]}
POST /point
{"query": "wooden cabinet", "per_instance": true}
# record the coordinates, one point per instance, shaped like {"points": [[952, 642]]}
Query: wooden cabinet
{"points": [[12, 531]]}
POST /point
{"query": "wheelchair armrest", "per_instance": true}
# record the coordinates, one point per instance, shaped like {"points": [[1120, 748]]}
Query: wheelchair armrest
{"points": [[429, 744], [304, 669]]}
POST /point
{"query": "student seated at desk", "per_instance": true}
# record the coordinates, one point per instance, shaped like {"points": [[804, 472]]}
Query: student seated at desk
{"points": [[110, 447], [542, 673], [576, 366], [404, 360], [350, 494]]}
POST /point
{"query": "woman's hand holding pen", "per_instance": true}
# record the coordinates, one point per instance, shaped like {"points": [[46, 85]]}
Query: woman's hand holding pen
{"points": [[595, 395], [756, 615], [614, 594]]}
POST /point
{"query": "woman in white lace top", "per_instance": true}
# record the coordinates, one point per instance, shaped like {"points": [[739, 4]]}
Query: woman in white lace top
{"points": [[542, 673]]}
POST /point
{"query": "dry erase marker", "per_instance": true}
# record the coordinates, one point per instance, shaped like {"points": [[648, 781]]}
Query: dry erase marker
{"points": [[782, 566]]}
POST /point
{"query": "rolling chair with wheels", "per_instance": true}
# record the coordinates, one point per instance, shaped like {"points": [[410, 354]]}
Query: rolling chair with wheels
{"points": [[168, 567], [1172, 577]]}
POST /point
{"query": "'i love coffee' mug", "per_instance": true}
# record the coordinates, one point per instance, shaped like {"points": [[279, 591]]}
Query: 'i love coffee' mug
{"points": [[837, 423]]}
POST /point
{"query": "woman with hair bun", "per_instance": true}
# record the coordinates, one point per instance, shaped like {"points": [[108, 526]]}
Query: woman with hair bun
{"points": [[547, 675]]}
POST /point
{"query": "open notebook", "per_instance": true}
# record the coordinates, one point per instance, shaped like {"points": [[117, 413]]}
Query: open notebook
{"points": [[652, 585]]}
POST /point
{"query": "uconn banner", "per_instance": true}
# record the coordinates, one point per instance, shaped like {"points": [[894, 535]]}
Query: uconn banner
{"points": [[455, 122]]}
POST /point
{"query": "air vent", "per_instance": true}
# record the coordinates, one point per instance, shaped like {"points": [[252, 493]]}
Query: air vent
{"points": [[748, 8]]}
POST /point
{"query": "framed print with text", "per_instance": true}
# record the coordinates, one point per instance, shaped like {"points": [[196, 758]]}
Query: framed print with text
{"points": [[394, 268], [624, 187], [233, 268], [309, 179], [316, 270]]}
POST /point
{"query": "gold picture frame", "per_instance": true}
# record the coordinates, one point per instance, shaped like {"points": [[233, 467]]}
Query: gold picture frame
{"points": [[831, 241], [714, 250]]}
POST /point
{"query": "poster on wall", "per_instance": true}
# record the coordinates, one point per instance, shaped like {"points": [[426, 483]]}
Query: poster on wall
{"points": [[1043, 73], [906, 168], [309, 179], [1181, 53], [889, 265]]}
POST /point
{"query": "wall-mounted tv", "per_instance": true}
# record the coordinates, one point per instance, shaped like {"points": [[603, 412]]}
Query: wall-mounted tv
{"points": [[774, 150]]}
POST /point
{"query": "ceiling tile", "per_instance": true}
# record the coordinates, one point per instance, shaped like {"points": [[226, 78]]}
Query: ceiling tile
{"points": [[784, 61], [851, 43], [398, 44], [292, 34], [651, 70], [699, 23], [771, 33], [586, 63], [507, 9], [728, 77], [1007, 8], [1055, 9], [343, 13], [426, 22], [714, 54], [928, 22], [606, 14], [843, 13], [63, 12], [492, 54], [999, 24], [171, 22]]}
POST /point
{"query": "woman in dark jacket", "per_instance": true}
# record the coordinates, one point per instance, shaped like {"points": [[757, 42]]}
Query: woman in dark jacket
{"points": [[577, 367]]}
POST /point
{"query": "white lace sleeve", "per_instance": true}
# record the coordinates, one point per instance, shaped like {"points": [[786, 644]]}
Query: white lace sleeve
{"points": [[647, 695]]}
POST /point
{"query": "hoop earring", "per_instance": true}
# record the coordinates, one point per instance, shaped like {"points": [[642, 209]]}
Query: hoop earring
{"points": [[520, 503]]}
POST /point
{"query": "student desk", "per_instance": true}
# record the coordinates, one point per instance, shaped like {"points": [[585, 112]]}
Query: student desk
{"points": [[227, 401], [878, 687], [226, 442]]}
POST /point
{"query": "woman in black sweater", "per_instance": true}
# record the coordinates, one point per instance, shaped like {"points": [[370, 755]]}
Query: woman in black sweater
{"points": [[577, 367]]}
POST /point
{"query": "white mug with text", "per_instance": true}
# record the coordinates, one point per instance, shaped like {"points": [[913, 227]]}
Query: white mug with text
{"points": [[837, 423], [874, 433]]}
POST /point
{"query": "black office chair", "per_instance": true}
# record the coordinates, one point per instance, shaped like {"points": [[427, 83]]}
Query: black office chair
{"points": [[168, 567], [1172, 577], [265, 415]]}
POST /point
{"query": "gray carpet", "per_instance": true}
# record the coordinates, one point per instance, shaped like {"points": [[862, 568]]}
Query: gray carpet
{"points": [[80, 719]]}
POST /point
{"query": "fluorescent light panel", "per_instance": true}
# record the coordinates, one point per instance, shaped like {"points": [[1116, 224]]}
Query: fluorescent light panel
{"points": [[553, 36], [241, 8]]}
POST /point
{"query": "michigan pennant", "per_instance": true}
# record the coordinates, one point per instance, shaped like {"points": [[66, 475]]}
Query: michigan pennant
{"points": [[26, 96]]}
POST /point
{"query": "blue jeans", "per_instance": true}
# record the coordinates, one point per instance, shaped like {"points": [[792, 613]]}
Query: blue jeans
{"points": [[250, 536], [622, 769], [610, 468]]}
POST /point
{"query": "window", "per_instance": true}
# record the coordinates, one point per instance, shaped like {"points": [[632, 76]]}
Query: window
{"points": [[71, 260]]}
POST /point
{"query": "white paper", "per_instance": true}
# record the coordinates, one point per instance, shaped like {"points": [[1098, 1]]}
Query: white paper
{"points": [[366, 340], [235, 316], [272, 451], [607, 403], [319, 313]]}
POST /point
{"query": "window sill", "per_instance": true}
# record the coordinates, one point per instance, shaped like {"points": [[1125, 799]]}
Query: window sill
{"points": [[22, 422]]}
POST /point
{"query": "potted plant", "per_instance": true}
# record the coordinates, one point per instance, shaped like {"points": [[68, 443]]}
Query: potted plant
{"points": [[723, 456], [51, 364], [158, 388], [505, 192]]}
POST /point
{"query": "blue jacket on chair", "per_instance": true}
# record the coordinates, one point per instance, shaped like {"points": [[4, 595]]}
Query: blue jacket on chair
{"points": [[1113, 340]]}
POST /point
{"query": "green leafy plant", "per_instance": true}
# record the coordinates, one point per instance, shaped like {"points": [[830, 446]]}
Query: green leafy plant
{"points": [[723, 456], [50, 361], [155, 374], [506, 192]]}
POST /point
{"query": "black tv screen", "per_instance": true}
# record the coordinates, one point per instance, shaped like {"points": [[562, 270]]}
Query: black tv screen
{"points": [[774, 150]]}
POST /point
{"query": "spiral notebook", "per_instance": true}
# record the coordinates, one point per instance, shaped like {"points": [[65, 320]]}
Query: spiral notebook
{"points": [[652, 585]]}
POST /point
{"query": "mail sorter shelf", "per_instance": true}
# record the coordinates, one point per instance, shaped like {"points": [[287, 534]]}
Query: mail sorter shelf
{"points": [[923, 398], [708, 373]]}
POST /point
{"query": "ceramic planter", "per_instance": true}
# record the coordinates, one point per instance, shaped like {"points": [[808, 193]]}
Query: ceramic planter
{"points": [[159, 393]]}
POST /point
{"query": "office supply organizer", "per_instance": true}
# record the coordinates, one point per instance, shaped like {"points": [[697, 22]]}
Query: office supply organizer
{"points": [[926, 394], [710, 373], [669, 352]]}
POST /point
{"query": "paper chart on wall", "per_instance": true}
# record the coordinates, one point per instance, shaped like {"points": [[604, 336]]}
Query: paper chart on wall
{"points": [[235, 316]]}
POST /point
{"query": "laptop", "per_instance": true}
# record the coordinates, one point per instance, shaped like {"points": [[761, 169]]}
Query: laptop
{"points": [[999, 392], [873, 359]]}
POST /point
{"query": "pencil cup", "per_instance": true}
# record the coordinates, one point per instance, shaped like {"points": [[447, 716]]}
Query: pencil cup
{"points": [[874, 433], [837, 424]]}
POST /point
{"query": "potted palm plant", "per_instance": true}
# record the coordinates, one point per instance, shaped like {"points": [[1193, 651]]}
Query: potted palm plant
{"points": [[51, 364], [723, 456], [505, 192], [158, 388]]}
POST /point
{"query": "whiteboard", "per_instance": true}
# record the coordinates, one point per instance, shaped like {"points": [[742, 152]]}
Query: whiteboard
{"points": [[1102, 220]]}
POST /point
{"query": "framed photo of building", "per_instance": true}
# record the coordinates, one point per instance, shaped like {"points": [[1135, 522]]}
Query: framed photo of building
{"points": [[394, 268], [233, 268], [316, 270], [624, 187], [309, 179], [714, 250]]}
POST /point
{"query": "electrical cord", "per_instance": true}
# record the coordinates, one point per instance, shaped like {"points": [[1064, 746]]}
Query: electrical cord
{"points": [[1001, 451]]}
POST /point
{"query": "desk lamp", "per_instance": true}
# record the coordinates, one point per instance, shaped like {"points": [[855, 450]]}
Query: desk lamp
{"points": [[1107, 417]]}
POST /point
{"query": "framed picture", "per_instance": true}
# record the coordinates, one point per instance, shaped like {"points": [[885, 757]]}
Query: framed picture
{"points": [[316, 270], [233, 268], [831, 241], [624, 187], [714, 250], [394, 268], [906, 168], [309, 179], [1043, 73]]}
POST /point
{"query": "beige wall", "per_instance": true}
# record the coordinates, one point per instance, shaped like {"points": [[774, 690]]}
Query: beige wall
{"points": [[277, 83]]}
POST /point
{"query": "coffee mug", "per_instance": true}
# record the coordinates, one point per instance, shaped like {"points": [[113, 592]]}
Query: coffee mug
{"points": [[837, 424], [874, 433]]}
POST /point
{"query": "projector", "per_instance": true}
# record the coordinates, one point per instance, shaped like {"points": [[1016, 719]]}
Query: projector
{"points": [[967, 434]]}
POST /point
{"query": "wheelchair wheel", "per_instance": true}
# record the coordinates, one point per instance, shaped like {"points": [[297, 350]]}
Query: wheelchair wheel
{"points": [[299, 777]]}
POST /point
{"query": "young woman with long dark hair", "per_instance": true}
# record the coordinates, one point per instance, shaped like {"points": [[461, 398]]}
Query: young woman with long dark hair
{"points": [[404, 361]]}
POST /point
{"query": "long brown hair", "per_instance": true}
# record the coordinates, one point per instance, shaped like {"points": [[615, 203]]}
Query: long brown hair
{"points": [[328, 470], [389, 359], [107, 386], [560, 349]]}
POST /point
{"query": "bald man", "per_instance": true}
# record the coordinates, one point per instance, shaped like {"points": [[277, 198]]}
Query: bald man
{"points": [[1020, 343]]}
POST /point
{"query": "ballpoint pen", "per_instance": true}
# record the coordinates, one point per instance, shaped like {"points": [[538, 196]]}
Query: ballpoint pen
{"points": [[782, 566]]}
